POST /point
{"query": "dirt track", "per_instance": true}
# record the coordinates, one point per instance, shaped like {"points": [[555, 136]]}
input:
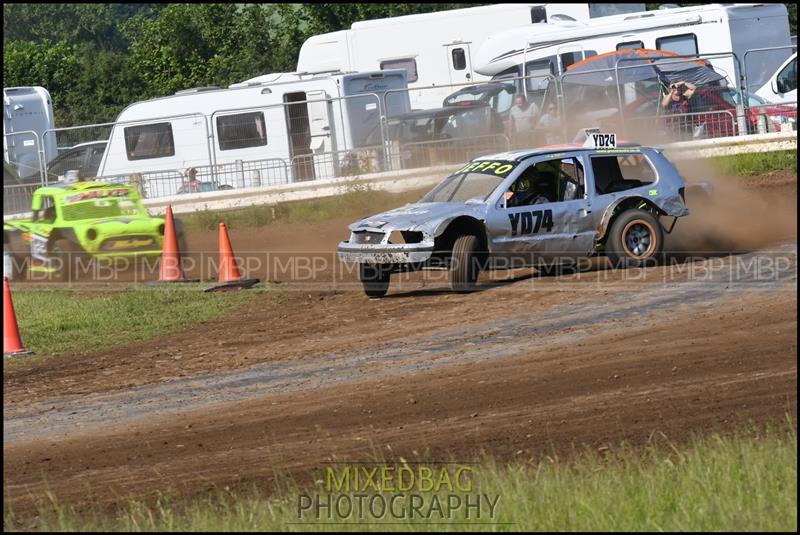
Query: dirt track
{"points": [[527, 366]]}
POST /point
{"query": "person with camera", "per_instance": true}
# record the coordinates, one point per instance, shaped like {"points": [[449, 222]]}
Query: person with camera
{"points": [[677, 102]]}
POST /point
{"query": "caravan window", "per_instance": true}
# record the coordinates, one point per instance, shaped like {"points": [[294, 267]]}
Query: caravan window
{"points": [[630, 45], [149, 141], [538, 14], [241, 131], [536, 73], [570, 58], [683, 45], [409, 64], [459, 59]]}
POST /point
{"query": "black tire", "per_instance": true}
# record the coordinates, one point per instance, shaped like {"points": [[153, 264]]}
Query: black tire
{"points": [[635, 239], [71, 257], [465, 265], [375, 278], [180, 235]]}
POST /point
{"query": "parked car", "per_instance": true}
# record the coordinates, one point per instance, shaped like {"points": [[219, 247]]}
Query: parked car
{"points": [[499, 96], [83, 158]]}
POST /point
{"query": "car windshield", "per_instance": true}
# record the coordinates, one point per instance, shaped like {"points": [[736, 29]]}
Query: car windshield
{"points": [[99, 208], [463, 187]]}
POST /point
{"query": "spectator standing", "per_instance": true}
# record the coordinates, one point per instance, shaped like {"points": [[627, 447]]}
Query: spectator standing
{"points": [[522, 122]]}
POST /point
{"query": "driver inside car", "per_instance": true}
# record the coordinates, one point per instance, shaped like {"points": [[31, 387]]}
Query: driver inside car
{"points": [[536, 186]]}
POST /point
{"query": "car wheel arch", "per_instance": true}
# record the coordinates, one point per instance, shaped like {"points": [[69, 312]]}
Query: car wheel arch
{"points": [[449, 231], [62, 234], [618, 207]]}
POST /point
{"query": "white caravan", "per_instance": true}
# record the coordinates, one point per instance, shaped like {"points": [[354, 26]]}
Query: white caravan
{"points": [[273, 118], [435, 48], [782, 86], [549, 48], [26, 110]]}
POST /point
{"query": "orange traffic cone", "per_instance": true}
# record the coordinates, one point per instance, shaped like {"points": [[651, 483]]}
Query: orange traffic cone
{"points": [[229, 277], [171, 267], [12, 344]]}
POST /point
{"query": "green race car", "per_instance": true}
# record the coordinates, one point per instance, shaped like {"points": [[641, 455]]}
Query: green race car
{"points": [[74, 223]]}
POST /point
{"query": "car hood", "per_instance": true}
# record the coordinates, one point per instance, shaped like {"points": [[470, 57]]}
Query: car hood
{"points": [[419, 216]]}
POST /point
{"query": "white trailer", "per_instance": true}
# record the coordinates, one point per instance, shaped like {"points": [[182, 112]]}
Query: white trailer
{"points": [[26, 110], [434, 48], [281, 116], [549, 48]]}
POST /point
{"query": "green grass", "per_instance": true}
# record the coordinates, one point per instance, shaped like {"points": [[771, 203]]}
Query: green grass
{"points": [[53, 321], [743, 482], [356, 202], [756, 163]]}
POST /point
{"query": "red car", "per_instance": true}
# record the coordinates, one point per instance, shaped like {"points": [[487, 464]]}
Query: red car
{"points": [[714, 113]]}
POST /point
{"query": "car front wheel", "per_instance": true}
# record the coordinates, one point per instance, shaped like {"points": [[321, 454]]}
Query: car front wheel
{"points": [[636, 239], [465, 263], [70, 260], [375, 279]]}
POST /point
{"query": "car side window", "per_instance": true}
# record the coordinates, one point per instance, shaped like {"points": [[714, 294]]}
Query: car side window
{"points": [[95, 157], [69, 161], [548, 181], [619, 173], [48, 210], [787, 78]]}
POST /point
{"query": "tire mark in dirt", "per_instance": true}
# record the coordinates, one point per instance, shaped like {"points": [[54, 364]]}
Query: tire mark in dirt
{"points": [[499, 338]]}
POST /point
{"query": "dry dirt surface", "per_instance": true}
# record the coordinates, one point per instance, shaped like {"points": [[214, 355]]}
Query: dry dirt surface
{"points": [[529, 365]]}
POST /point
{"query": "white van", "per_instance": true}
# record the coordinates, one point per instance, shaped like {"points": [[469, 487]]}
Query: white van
{"points": [[782, 86], [25, 110]]}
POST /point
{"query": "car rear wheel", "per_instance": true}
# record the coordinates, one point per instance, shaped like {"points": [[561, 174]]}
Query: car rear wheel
{"points": [[636, 239], [465, 263], [375, 278]]}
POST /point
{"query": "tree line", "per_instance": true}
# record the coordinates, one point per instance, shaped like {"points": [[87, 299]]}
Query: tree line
{"points": [[95, 59]]}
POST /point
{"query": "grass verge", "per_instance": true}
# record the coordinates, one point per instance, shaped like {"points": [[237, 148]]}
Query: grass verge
{"points": [[755, 163], [743, 482], [356, 202], [61, 320]]}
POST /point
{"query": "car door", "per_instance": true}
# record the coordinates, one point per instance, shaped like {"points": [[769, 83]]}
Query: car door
{"points": [[554, 222]]}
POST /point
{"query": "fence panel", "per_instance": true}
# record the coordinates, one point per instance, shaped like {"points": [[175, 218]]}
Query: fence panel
{"points": [[23, 150]]}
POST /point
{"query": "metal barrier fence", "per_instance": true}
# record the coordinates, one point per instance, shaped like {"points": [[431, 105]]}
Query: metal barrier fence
{"points": [[25, 150], [446, 151], [326, 137], [683, 127], [17, 197], [763, 118]]}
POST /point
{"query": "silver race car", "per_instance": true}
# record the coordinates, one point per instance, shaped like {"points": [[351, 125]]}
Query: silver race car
{"points": [[543, 207]]}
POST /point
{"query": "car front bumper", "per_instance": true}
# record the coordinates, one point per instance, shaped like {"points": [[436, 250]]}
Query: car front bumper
{"points": [[400, 253]]}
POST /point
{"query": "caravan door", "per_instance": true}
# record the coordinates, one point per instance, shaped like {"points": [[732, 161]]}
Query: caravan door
{"points": [[459, 63], [320, 111]]}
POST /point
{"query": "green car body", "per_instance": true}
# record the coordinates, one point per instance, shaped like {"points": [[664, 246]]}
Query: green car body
{"points": [[84, 219]]}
